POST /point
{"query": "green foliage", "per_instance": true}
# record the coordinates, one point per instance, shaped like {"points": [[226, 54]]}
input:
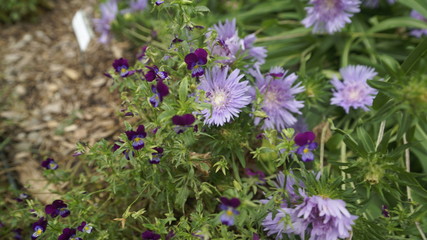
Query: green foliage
{"points": [[12, 11]]}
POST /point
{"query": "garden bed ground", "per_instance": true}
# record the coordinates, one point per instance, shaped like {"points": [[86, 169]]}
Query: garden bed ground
{"points": [[52, 95]]}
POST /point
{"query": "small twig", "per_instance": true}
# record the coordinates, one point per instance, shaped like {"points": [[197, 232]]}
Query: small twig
{"points": [[322, 147], [343, 160], [380, 134]]}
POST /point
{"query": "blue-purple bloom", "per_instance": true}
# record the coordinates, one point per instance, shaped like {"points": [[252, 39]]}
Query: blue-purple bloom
{"points": [[141, 55], [39, 227], [135, 5], [150, 235], [68, 234], [183, 122], [229, 207], [418, 32], [375, 3], [226, 95], [109, 11], [318, 216], [157, 155], [49, 164], [258, 174], [228, 44], [84, 227], [384, 211], [160, 90], [195, 61], [21, 197], [122, 67], [137, 137], [354, 91], [155, 74], [159, 2], [329, 16], [306, 145], [278, 91], [17, 234], [58, 207]]}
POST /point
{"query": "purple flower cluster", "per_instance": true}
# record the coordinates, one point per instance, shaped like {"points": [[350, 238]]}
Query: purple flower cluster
{"points": [[195, 61], [39, 227], [160, 91], [229, 45], [418, 32], [278, 91], [136, 137], [183, 122], [306, 145], [109, 11], [229, 207], [329, 16], [226, 95], [155, 74], [121, 66], [58, 207], [157, 155], [354, 91], [150, 235], [68, 234]]}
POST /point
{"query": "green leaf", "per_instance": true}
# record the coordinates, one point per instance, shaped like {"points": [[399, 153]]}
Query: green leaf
{"points": [[202, 9], [366, 140], [183, 89], [398, 22], [418, 5], [414, 56]]}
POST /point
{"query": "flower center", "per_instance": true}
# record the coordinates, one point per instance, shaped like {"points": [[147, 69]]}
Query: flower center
{"points": [[330, 4], [229, 212], [123, 70], [38, 232], [306, 150], [52, 165], [137, 139], [271, 97], [219, 99], [354, 95]]}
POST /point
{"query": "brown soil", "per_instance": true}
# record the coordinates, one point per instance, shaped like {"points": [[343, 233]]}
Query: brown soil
{"points": [[53, 96]]}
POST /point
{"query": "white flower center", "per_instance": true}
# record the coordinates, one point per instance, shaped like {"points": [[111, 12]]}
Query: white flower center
{"points": [[271, 97], [354, 95], [219, 99]]}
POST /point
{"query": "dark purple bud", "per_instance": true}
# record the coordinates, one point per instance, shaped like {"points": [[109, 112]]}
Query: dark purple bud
{"points": [[159, 2], [260, 136], [49, 164], [232, 202], [108, 75], [68, 234], [384, 211], [255, 237], [170, 235]]}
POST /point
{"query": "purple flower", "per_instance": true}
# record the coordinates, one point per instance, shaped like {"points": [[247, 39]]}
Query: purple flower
{"points": [[157, 155], [183, 122], [68, 234], [150, 235], [160, 90], [159, 2], [255, 237], [289, 185], [384, 211], [21, 197], [228, 44], [195, 61], [375, 3], [39, 227], [136, 137], [49, 164], [58, 207], [18, 234], [306, 145], [354, 91], [330, 15], [85, 228], [155, 74], [418, 32], [258, 174], [135, 5], [226, 95], [320, 217], [170, 235], [109, 11], [141, 55], [278, 91], [121, 66], [229, 207], [125, 152]]}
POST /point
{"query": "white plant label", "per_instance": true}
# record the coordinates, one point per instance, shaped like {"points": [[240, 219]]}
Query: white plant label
{"points": [[82, 30]]}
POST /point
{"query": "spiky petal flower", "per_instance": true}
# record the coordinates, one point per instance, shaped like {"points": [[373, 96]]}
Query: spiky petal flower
{"points": [[229, 207], [109, 11], [418, 32], [226, 95], [58, 207], [228, 44], [330, 15], [68, 234], [49, 164], [354, 91], [84, 227], [39, 227], [195, 61], [150, 235], [278, 91], [306, 145], [136, 137]]}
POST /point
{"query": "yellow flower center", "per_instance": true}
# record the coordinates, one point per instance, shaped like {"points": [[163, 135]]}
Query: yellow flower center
{"points": [[306, 150], [123, 70], [229, 212], [137, 139], [219, 99], [52, 165], [39, 232]]}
